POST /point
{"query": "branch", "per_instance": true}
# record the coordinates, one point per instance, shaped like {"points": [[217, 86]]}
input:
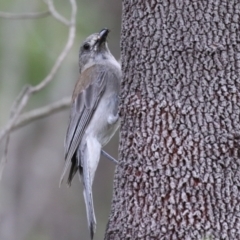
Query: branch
{"points": [[25, 15], [4, 157], [34, 89], [42, 112], [17, 108], [13, 111], [55, 14], [71, 36], [27, 92]]}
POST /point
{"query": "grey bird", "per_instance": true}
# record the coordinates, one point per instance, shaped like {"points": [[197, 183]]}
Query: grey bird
{"points": [[94, 114]]}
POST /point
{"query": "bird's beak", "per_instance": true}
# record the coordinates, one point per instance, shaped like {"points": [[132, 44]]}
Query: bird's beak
{"points": [[102, 36]]}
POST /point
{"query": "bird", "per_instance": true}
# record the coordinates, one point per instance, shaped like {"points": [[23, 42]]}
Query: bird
{"points": [[94, 116]]}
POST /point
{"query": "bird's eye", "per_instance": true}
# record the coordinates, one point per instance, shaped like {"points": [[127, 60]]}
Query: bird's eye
{"points": [[86, 46]]}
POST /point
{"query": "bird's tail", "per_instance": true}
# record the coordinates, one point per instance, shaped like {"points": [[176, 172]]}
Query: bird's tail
{"points": [[90, 211], [90, 155]]}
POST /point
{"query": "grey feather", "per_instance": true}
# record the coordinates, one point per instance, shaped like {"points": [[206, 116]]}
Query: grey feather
{"points": [[87, 192], [81, 114]]}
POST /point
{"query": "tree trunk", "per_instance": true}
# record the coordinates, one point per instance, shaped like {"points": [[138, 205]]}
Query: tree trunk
{"points": [[179, 171]]}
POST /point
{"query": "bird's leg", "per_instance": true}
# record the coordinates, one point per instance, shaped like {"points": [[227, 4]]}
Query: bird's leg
{"points": [[109, 156]]}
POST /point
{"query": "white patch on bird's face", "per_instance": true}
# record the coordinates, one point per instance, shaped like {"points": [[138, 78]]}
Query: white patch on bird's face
{"points": [[93, 42], [95, 48]]}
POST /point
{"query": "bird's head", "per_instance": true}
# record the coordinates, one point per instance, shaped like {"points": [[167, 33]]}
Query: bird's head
{"points": [[94, 49]]}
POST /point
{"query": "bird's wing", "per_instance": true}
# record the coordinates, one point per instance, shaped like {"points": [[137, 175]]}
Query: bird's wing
{"points": [[88, 91]]}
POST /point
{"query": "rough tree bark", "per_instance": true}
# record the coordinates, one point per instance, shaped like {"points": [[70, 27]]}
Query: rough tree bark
{"points": [[179, 171]]}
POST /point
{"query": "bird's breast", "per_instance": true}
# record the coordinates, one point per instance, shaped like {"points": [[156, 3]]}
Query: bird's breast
{"points": [[99, 125]]}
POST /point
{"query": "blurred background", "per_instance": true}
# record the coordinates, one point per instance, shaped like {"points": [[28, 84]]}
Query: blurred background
{"points": [[32, 206]]}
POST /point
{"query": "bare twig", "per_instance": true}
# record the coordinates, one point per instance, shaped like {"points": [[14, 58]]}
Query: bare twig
{"points": [[22, 101], [55, 14], [18, 106], [12, 112], [71, 36], [18, 99], [25, 15], [4, 157], [31, 90], [42, 112]]}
